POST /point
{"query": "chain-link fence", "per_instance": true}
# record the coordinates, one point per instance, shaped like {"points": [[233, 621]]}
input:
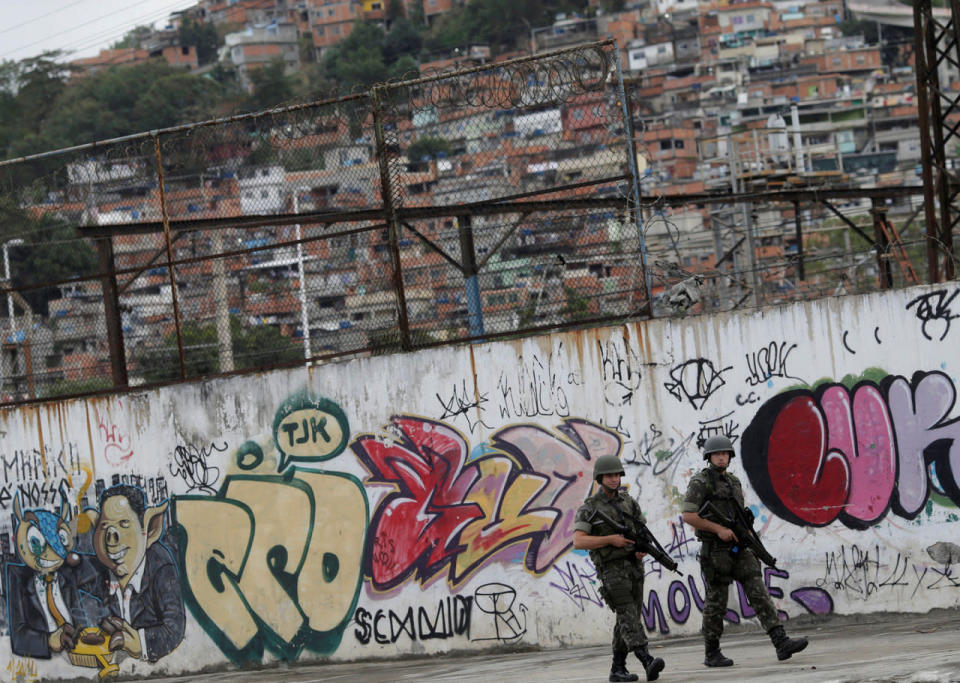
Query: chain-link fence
{"points": [[494, 200]]}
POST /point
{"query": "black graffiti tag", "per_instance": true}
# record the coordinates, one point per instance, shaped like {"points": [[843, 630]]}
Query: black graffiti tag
{"points": [[696, 381], [190, 464], [463, 403], [934, 306], [769, 362]]}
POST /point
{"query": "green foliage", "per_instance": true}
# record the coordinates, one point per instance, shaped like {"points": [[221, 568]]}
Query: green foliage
{"points": [[128, 99], [853, 27], [133, 38], [201, 35], [428, 147], [271, 87], [576, 306], [253, 347], [403, 39], [77, 386]]}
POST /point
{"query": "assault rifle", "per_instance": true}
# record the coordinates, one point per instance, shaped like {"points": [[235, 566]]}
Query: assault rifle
{"points": [[644, 541], [742, 527]]}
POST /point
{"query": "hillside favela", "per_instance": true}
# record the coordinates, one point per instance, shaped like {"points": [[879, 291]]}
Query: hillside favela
{"points": [[322, 319]]}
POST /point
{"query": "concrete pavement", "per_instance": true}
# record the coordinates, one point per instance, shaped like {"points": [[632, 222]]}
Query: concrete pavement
{"points": [[872, 648]]}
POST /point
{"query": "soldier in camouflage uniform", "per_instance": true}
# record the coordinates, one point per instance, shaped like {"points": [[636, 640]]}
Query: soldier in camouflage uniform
{"points": [[722, 559], [619, 565]]}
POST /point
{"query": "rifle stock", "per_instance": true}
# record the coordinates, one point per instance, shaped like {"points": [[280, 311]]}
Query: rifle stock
{"points": [[743, 530], [644, 541]]}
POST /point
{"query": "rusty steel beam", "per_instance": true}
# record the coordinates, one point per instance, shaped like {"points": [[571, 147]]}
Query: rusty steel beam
{"points": [[937, 42], [497, 207]]}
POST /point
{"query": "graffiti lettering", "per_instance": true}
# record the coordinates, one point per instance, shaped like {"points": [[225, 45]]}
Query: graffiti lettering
{"points": [[658, 452], [696, 381], [116, 448], [308, 428], [34, 465], [461, 403], [496, 600], [682, 596], [934, 307], [768, 362], [23, 670], [621, 372], [852, 454], [451, 618], [861, 571], [578, 584], [274, 561], [190, 464], [447, 513], [748, 399], [536, 391], [717, 427]]}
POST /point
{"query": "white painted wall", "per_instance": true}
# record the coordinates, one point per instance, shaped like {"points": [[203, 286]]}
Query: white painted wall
{"points": [[516, 424]]}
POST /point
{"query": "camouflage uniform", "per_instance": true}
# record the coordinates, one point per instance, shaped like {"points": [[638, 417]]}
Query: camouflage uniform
{"points": [[720, 565], [619, 570]]}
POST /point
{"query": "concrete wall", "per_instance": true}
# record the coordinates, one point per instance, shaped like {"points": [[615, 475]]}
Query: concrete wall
{"points": [[422, 503]]}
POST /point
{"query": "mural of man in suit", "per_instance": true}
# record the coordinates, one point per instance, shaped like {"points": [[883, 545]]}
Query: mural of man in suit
{"points": [[139, 586], [45, 593]]}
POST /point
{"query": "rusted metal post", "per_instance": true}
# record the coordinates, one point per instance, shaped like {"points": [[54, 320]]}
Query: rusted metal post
{"points": [[934, 44], [882, 245], [111, 311], [169, 246], [386, 190], [798, 224]]}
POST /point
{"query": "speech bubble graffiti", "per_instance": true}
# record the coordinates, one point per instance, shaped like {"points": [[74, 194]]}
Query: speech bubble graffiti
{"points": [[308, 428]]}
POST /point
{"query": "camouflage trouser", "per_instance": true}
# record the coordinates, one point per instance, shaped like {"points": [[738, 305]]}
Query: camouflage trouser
{"points": [[720, 569], [623, 592]]}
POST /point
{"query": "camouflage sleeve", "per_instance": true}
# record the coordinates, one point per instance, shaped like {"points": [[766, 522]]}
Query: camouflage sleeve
{"points": [[580, 522], [638, 512], [696, 496]]}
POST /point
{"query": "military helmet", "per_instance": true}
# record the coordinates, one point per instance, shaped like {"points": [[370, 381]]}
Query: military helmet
{"points": [[717, 444], [607, 464]]}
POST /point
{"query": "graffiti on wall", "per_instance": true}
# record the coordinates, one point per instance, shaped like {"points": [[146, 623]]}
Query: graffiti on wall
{"points": [[273, 561], [95, 608], [452, 512], [853, 453]]}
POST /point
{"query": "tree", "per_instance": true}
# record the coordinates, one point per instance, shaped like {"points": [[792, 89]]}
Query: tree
{"points": [[176, 98], [133, 38], [253, 347], [51, 252], [201, 35], [403, 39], [271, 87], [357, 61]]}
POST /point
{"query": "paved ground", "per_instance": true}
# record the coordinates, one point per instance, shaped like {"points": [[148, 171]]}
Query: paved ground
{"points": [[875, 649]]}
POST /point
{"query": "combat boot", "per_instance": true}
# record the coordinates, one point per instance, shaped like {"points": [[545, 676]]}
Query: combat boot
{"points": [[786, 647], [713, 655], [618, 672], [651, 665]]}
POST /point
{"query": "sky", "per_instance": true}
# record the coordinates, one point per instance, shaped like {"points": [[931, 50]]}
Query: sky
{"points": [[29, 27]]}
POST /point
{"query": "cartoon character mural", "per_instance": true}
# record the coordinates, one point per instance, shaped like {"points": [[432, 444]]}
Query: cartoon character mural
{"points": [[123, 599], [138, 581], [46, 592]]}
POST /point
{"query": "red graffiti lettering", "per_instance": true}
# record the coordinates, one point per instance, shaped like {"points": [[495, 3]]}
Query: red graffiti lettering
{"points": [[852, 454], [525, 488]]}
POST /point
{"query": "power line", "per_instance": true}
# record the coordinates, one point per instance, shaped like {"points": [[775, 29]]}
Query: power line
{"points": [[84, 41], [42, 16]]}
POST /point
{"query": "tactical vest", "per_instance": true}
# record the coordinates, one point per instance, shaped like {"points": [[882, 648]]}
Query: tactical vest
{"points": [[726, 496], [613, 510]]}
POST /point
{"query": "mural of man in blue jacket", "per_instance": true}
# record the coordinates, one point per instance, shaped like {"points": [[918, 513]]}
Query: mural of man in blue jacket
{"points": [[139, 584]]}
